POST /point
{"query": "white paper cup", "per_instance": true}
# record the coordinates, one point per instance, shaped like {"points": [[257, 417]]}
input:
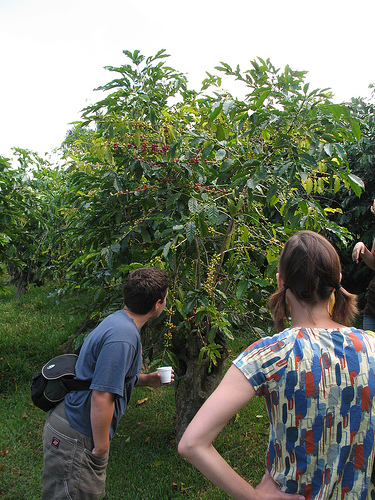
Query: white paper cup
{"points": [[165, 374]]}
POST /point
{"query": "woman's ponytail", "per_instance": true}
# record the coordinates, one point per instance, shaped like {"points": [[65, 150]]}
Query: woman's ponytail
{"points": [[345, 308], [279, 307]]}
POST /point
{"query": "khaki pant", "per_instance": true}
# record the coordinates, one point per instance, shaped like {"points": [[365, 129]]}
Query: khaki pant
{"points": [[70, 470]]}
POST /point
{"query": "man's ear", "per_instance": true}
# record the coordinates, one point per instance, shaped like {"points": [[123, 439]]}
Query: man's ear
{"points": [[158, 304]]}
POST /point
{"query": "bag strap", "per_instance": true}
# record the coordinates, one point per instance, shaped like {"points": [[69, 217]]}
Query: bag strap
{"points": [[74, 384]]}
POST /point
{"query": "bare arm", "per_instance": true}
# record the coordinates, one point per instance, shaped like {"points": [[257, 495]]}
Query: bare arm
{"points": [[368, 257], [102, 408], [196, 443], [151, 379]]}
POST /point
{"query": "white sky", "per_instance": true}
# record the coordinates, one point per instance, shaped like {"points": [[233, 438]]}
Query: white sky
{"points": [[53, 51]]}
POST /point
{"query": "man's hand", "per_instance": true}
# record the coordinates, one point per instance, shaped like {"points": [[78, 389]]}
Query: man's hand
{"points": [[152, 379], [99, 454]]}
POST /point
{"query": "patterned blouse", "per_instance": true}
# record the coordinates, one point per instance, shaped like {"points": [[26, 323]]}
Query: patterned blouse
{"points": [[319, 387]]}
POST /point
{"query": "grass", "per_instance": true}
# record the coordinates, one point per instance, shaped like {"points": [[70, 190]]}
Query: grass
{"points": [[144, 463]]}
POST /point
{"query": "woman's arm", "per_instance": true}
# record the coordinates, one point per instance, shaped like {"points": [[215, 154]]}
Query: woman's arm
{"points": [[368, 257], [196, 443]]}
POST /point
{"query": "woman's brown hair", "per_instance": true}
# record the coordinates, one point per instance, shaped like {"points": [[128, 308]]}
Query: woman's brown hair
{"points": [[310, 267]]}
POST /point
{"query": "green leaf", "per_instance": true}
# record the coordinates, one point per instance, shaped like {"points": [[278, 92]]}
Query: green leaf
{"points": [[200, 356], [212, 334], [188, 306], [116, 247], [340, 151], [207, 151], [166, 249], [212, 214], [356, 184], [124, 268], [355, 129], [303, 206], [190, 231], [145, 235], [193, 205], [328, 148], [220, 154], [196, 141], [244, 235], [137, 137], [272, 191], [179, 306], [252, 183], [226, 165], [266, 135], [232, 207], [220, 132], [260, 281], [241, 289], [227, 107], [171, 359], [309, 185], [262, 98], [216, 108], [172, 199], [203, 228], [336, 110]]}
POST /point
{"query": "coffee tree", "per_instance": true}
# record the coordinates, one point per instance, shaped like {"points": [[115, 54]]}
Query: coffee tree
{"points": [[207, 186], [29, 217]]}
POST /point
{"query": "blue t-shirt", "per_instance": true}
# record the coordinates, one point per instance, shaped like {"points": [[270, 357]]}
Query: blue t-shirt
{"points": [[111, 357]]}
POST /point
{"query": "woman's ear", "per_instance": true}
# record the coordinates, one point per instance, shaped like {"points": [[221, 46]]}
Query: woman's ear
{"points": [[280, 282]]}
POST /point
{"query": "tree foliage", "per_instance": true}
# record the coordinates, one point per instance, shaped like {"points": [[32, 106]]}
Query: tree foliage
{"points": [[207, 186], [204, 184], [356, 214], [28, 217]]}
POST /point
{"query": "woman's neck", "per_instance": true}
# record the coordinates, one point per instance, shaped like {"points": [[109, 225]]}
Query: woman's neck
{"points": [[307, 316]]}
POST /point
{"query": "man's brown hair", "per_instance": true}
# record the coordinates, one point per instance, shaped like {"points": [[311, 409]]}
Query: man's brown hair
{"points": [[143, 288]]}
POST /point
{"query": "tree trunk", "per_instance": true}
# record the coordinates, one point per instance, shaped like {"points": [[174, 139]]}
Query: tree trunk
{"points": [[194, 382], [20, 278]]}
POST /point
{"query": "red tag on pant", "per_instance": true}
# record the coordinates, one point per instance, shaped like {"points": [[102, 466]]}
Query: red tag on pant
{"points": [[55, 442]]}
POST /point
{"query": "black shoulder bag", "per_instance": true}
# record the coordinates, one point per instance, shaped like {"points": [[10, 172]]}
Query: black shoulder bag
{"points": [[57, 378]]}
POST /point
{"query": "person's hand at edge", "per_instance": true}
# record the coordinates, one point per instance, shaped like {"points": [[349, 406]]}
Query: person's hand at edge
{"points": [[270, 489], [359, 249]]}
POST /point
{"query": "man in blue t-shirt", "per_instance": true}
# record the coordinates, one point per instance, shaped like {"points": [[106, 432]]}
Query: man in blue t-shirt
{"points": [[78, 431]]}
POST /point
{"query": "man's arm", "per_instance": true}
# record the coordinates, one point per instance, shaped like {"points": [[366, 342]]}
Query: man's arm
{"points": [[102, 408], [151, 379]]}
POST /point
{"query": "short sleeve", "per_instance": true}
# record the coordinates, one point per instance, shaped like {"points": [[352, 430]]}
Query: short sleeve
{"points": [[115, 363], [264, 362]]}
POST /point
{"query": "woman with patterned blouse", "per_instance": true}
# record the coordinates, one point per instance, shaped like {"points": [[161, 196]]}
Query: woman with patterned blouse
{"points": [[317, 378]]}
